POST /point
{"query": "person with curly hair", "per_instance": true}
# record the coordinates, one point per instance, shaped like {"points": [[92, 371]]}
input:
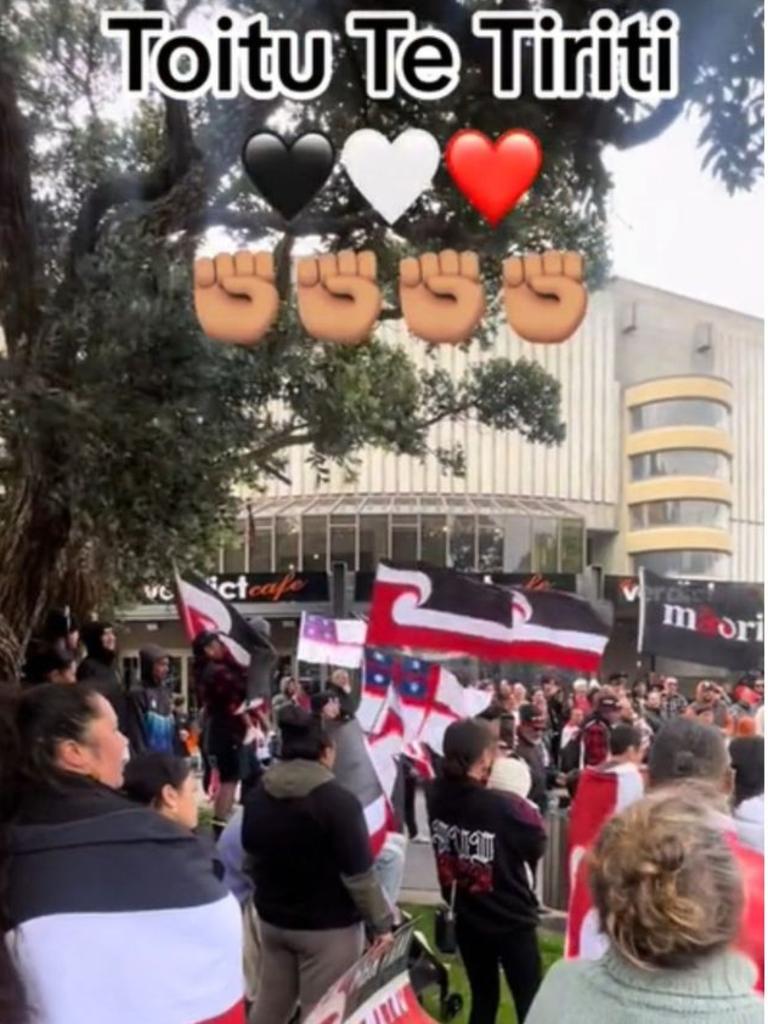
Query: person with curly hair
{"points": [[669, 896]]}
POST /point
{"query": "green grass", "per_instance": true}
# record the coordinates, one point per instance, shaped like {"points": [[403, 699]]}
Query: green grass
{"points": [[551, 947]]}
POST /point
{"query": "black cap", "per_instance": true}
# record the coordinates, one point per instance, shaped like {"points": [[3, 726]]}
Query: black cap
{"points": [[608, 702]]}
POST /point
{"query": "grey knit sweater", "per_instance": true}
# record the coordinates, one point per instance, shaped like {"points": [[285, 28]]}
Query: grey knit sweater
{"points": [[613, 991]]}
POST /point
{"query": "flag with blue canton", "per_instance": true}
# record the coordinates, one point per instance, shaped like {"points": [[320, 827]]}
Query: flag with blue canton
{"points": [[378, 677], [413, 680], [379, 667]]}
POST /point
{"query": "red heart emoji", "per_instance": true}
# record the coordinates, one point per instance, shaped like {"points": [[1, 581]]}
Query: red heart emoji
{"points": [[494, 176]]}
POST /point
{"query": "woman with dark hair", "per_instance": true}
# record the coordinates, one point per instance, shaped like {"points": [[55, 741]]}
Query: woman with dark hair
{"points": [[485, 843], [45, 663], [312, 870], [669, 898], [166, 784], [92, 882]]}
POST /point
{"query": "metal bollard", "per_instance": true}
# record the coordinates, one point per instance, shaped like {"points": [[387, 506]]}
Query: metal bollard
{"points": [[555, 862]]}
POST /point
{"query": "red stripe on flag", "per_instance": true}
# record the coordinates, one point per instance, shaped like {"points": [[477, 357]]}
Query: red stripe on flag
{"points": [[384, 631], [235, 1015]]}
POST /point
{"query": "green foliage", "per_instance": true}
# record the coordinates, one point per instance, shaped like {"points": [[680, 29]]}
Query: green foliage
{"points": [[550, 947]]}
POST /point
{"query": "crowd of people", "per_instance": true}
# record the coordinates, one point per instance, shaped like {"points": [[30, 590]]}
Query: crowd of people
{"points": [[99, 805]]}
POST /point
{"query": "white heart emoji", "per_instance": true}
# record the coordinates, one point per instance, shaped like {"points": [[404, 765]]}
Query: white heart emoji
{"points": [[391, 175]]}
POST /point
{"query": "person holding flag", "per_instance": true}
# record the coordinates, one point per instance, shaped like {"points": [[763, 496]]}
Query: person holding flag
{"points": [[221, 686]]}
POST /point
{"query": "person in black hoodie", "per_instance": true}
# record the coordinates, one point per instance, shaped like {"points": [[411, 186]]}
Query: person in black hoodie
{"points": [[99, 671], [485, 843], [312, 868]]}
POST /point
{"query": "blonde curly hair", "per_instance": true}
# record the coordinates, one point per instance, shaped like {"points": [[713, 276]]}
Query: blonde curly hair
{"points": [[665, 884]]}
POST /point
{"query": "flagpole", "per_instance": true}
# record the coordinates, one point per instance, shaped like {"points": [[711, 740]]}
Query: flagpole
{"points": [[641, 616]]}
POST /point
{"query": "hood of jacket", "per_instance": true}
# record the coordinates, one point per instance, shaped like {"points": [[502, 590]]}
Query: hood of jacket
{"points": [[292, 780], [148, 656], [91, 635]]}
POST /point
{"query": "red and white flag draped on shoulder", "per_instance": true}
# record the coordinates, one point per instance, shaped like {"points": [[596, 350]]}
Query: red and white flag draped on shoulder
{"points": [[119, 918], [603, 793], [441, 610]]}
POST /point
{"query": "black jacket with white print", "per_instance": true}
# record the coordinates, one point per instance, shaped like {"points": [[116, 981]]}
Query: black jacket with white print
{"points": [[487, 843]]}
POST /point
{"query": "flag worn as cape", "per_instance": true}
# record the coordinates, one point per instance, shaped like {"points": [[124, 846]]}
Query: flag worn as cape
{"points": [[441, 610], [118, 917]]}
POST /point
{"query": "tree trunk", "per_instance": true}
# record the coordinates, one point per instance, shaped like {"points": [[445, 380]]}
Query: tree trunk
{"points": [[32, 545]]}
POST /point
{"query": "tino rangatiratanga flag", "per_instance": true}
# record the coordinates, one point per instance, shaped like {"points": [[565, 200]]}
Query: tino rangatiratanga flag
{"points": [[440, 610]]}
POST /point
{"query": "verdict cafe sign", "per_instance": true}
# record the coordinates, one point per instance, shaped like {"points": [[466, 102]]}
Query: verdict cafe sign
{"points": [[254, 588]]}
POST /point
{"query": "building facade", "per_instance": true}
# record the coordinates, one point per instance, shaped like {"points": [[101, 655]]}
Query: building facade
{"points": [[662, 467]]}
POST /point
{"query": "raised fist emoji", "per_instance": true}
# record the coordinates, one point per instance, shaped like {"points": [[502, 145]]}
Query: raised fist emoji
{"points": [[544, 295], [236, 300], [339, 299], [442, 296]]}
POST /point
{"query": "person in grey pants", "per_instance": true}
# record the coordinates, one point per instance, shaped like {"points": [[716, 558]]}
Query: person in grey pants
{"points": [[311, 864]]}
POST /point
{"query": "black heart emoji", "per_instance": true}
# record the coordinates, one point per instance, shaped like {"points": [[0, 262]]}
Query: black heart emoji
{"points": [[288, 176]]}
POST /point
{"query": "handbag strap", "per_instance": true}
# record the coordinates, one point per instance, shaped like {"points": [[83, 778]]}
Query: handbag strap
{"points": [[452, 904]]}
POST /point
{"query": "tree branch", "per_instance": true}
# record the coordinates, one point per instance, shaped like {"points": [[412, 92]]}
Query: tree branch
{"points": [[257, 222], [18, 234], [181, 153], [637, 133]]}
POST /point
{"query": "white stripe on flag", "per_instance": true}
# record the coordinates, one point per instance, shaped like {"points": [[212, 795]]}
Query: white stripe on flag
{"points": [[178, 966], [408, 610], [318, 652], [376, 815], [351, 631], [206, 605]]}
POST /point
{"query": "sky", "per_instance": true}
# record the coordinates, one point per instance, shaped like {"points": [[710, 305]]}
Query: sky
{"points": [[675, 227]]}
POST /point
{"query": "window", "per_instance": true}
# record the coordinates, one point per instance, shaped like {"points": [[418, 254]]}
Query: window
{"points": [[374, 541], [571, 545], [518, 544], [234, 555], [434, 540], [260, 554], [710, 564], [490, 544], [680, 412], [461, 542], [314, 553], [343, 541], [681, 462], [404, 540], [286, 544], [545, 545], [680, 512]]}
